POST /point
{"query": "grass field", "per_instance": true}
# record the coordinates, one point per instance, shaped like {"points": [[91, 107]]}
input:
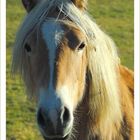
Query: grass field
{"points": [[114, 17]]}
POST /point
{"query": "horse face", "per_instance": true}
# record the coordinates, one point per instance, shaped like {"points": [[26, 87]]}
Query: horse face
{"points": [[59, 68]]}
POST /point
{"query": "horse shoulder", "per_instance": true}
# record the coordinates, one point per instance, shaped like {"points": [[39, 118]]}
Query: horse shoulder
{"points": [[127, 102], [128, 76]]}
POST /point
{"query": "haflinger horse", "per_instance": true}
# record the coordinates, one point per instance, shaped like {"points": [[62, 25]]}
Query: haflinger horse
{"points": [[71, 69]]}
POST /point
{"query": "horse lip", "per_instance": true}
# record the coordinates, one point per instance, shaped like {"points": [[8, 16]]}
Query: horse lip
{"points": [[57, 138]]}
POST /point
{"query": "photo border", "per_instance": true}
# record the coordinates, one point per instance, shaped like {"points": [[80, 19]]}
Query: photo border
{"points": [[3, 69], [136, 69]]}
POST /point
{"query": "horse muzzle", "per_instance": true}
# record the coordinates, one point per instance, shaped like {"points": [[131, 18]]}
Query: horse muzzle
{"points": [[54, 124]]}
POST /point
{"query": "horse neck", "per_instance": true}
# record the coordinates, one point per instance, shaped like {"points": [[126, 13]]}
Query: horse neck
{"points": [[88, 124], [81, 116], [82, 120]]}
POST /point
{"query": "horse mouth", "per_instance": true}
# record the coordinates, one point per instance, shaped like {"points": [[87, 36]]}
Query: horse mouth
{"points": [[64, 138]]}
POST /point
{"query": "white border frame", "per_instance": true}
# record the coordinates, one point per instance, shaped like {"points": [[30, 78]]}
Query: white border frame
{"points": [[136, 69], [3, 68]]}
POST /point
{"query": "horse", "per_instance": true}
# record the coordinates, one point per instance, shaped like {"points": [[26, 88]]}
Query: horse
{"points": [[71, 68]]}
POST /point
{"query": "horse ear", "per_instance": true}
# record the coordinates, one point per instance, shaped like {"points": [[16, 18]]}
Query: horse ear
{"points": [[81, 4], [29, 4]]}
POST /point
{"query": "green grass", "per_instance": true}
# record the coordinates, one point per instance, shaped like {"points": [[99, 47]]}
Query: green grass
{"points": [[114, 17]]}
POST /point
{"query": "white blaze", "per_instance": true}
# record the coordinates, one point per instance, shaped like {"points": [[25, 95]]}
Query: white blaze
{"points": [[52, 33], [49, 99]]}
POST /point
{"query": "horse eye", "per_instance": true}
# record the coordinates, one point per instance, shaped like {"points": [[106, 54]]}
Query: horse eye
{"points": [[27, 48], [81, 46]]}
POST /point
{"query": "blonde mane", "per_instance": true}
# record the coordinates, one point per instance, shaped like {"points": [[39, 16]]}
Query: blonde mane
{"points": [[102, 60]]}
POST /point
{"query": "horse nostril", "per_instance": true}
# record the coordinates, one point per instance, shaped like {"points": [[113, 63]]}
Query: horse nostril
{"points": [[41, 118], [65, 115]]}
